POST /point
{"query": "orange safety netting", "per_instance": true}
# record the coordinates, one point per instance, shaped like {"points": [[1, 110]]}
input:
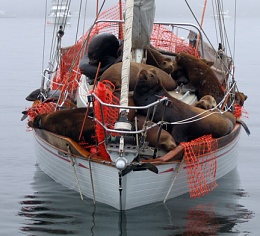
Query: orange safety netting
{"points": [[165, 39], [41, 108], [201, 165], [68, 74], [105, 114], [239, 111]]}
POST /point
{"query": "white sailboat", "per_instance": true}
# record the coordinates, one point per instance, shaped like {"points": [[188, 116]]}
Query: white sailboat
{"points": [[93, 147]]}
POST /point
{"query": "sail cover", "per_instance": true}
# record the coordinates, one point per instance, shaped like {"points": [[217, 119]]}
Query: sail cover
{"points": [[144, 12]]}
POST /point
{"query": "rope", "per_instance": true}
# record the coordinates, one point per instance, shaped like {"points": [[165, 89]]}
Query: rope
{"points": [[74, 169], [127, 53], [91, 179], [174, 179]]}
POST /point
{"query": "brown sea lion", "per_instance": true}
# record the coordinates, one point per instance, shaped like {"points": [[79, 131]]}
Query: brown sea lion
{"points": [[113, 74], [207, 102], [202, 79], [240, 98], [166, 141], [180, 75], [157, 59], [66, 123], [149, 88]]}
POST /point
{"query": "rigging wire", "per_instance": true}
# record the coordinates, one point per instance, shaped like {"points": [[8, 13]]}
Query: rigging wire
{"points": [[235, 27], [85, 16], [217, 9], [84, 44], [222, 29], [54, 51], [80, 9], [195, 18], [44, 35]]}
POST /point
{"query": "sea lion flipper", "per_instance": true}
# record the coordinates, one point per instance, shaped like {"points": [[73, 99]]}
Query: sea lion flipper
{"points": [[244, 126]]}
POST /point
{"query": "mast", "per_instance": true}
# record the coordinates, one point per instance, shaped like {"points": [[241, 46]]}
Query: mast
{"points": [[139, 18], [129, 15]]}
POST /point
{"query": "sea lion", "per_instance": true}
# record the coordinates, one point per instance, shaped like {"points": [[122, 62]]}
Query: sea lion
{"points": [[157, 59], [202, 80], [113, 74], [180, 75], [102, 49], [66, 123], [149, 88], [102, 45], [153, 58], [38, 94], [166, 141], [207, 102], [240, 98], [34, 95], [50, 96]]}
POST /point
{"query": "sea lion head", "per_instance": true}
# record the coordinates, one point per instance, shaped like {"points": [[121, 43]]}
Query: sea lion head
{"points": [[179, 74], [240, 98], [104, 44], [147, 80], [166, 65], [207, 102], [180, 57], [36, 123]]}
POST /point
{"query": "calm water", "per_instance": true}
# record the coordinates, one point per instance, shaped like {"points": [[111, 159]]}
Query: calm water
{"points": [[32, 204]]}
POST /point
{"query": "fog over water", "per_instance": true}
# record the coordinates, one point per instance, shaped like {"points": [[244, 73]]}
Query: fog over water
{"points": [[33, 204], [26, 8]]}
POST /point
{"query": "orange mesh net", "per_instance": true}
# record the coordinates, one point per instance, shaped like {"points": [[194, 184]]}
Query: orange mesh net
{"points": [[240, 111], [200, 157], [165, 39], [106, 115], [41, 108], [68, 74]]}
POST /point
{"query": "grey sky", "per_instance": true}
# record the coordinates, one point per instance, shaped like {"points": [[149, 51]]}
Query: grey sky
{"points": [[163, 7]]}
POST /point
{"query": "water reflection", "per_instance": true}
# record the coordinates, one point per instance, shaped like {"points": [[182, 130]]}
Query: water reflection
{"points": [[55, 210]]}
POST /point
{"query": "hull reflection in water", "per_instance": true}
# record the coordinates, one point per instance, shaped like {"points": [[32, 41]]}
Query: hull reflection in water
{"points": [[55, 210]]}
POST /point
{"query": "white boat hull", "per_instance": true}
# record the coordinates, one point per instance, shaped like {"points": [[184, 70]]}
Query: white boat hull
{"points": [[100, 181]]}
